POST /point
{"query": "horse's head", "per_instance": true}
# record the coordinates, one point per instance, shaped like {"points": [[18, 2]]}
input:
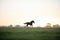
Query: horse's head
{"points": [[32, 21]]}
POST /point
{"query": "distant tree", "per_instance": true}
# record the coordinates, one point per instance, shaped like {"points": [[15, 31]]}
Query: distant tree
{"points": [[48, 25], [17, 26], [56, 26], [3, 26], [10, 26]]}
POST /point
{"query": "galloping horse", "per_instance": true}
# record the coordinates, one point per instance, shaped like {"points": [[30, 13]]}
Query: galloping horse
{"points": [[29, 23]]}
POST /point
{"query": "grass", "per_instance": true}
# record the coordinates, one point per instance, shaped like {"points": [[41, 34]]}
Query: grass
{"points": [[29, 34]]}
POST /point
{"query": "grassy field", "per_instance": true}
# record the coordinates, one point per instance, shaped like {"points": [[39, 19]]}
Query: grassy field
{"points": [[29, 34]]}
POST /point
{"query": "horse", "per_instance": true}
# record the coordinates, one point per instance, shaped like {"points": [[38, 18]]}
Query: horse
{"points": [[29, 23]]}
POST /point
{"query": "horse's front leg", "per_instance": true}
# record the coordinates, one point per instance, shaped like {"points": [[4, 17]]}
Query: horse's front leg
{"points": [[31, 25]]}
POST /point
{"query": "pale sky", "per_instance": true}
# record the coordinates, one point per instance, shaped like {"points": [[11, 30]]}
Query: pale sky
{"points": [[20, 11]]}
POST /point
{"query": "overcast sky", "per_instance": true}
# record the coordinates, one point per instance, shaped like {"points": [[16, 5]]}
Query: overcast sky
{"points": [[19, 11]]}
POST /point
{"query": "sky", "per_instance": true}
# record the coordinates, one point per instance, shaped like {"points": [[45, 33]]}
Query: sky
{"points": [[17, 12]]}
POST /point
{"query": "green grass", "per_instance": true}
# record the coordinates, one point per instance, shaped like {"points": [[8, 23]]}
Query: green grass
{"points": [[29, 34]]}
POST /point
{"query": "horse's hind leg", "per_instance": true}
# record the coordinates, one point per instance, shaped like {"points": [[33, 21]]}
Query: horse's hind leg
{"points": [[27, 25]]}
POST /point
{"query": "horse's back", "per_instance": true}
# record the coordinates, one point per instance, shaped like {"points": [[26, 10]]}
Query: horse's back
{"points": [[26, 23]]}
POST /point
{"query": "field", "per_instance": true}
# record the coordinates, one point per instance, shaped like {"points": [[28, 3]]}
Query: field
{"points": [[29, 34]]}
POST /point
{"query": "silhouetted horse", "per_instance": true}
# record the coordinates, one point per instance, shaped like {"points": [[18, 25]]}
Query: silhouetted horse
{"points": [[29, 23]]}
